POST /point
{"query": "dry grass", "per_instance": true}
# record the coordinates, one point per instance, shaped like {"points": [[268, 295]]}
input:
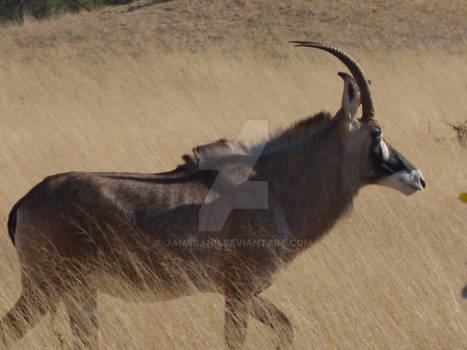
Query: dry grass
{"points": [[233, 26], [388, 277]]}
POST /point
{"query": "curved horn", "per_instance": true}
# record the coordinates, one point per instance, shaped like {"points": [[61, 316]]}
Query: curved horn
{"points": [[368, 109]]}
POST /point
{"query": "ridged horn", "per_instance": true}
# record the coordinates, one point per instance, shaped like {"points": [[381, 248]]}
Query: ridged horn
{"points": [[368, 109]]}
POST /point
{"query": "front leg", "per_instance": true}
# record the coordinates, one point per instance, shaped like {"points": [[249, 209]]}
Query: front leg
{"points": [[238, 293], [266, 312], [235, 322]]}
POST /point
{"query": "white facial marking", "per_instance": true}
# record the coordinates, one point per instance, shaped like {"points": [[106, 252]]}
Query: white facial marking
{"points": [[384, 150], [418, 180], [407, 183]]}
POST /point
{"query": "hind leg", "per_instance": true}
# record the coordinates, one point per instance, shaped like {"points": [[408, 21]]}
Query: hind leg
{"points": [[29, 308], [81, 304], [267, 313]]}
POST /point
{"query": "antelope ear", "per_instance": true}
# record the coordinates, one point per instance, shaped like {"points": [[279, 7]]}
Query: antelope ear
{"points": [[350, 98]]}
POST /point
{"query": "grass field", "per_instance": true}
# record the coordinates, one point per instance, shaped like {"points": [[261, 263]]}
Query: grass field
{"points": [[110, 90]]}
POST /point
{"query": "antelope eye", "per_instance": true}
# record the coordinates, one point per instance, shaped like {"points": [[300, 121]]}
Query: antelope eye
{"points": [[377, 133]]}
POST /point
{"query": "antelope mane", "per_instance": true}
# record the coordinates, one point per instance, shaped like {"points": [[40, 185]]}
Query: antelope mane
{"points": [[223, 148]]}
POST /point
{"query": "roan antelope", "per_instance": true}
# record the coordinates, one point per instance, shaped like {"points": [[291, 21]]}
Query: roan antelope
{"points": [[77, 232]]}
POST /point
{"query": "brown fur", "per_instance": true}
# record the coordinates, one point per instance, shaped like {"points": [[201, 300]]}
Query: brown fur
{"points": [[75, 226]]}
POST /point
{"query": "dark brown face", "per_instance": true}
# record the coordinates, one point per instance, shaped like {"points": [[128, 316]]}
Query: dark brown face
{"points": [[390, 168]]}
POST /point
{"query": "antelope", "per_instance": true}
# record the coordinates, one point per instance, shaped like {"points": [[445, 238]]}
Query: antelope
{"points": [[80, 233]]}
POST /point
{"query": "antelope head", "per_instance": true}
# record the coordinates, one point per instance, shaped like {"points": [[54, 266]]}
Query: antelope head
{"points": [[363, 138]]}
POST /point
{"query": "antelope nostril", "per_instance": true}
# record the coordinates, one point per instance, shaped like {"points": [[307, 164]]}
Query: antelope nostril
{"points": [[422, 182]]}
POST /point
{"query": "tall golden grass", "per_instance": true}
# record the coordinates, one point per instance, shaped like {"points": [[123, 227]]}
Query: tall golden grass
{"points": [[387, 277]]}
